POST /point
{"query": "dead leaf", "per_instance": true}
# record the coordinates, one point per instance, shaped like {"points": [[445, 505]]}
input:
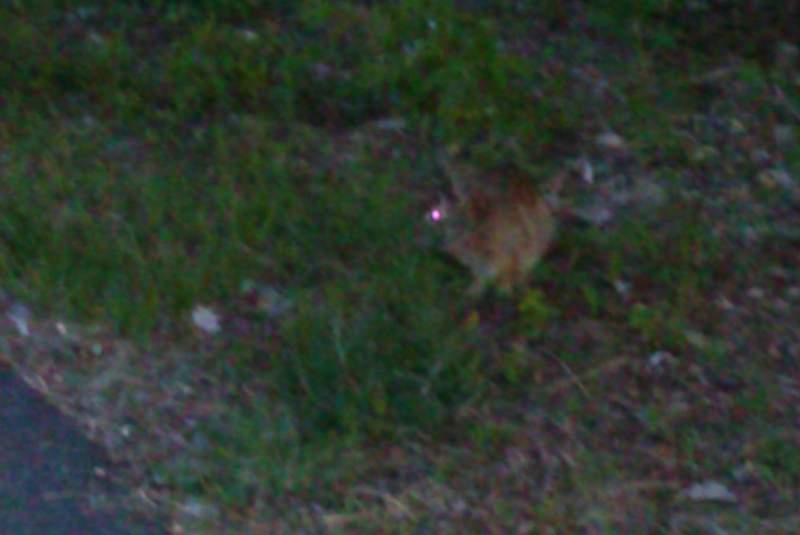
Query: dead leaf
{"points": [[710, 491], [611, 141], [597, 214], [770, 178], [587, 171], [19, 315], [704, 154], [659, 360], [756, 293], [696, 339]]}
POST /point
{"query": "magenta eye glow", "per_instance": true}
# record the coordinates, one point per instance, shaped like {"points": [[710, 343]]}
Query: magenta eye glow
{"points": [[436, 215]]}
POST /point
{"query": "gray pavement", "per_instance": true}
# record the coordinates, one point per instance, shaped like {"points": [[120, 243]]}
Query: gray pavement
{"points": [[47, 470]]}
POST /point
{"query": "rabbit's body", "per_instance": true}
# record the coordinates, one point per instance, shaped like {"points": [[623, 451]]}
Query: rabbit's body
{"points": [[500, 232]]}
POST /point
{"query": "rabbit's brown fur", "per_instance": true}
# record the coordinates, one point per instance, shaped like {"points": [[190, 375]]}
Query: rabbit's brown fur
{"points": [[499, 231]]}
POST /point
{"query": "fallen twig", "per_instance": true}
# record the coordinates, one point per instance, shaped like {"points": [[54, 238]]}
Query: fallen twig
{"points": [[592, 373]]}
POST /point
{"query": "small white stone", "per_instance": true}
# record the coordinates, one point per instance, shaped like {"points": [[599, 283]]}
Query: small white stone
{"points": [[206, 319]]}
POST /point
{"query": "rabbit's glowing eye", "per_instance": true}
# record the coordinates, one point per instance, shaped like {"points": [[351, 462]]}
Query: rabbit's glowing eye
{"points": [[435, 215]]}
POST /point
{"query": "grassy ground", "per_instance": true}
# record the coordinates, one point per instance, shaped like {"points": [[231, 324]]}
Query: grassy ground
{"points": [[273, 161]]}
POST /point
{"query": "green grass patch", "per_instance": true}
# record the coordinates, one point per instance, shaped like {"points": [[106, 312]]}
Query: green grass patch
{"points": [[158, 157]]}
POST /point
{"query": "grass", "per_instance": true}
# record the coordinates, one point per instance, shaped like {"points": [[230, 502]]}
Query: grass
{"points": [[238, 154]]}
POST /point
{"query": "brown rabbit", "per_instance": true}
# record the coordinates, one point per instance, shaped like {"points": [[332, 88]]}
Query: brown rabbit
{"points": [[499, 229]]}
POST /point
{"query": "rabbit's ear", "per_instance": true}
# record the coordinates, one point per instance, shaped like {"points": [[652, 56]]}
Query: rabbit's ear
{"points": [[551, 192], [444, 158], [459, 190]]}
